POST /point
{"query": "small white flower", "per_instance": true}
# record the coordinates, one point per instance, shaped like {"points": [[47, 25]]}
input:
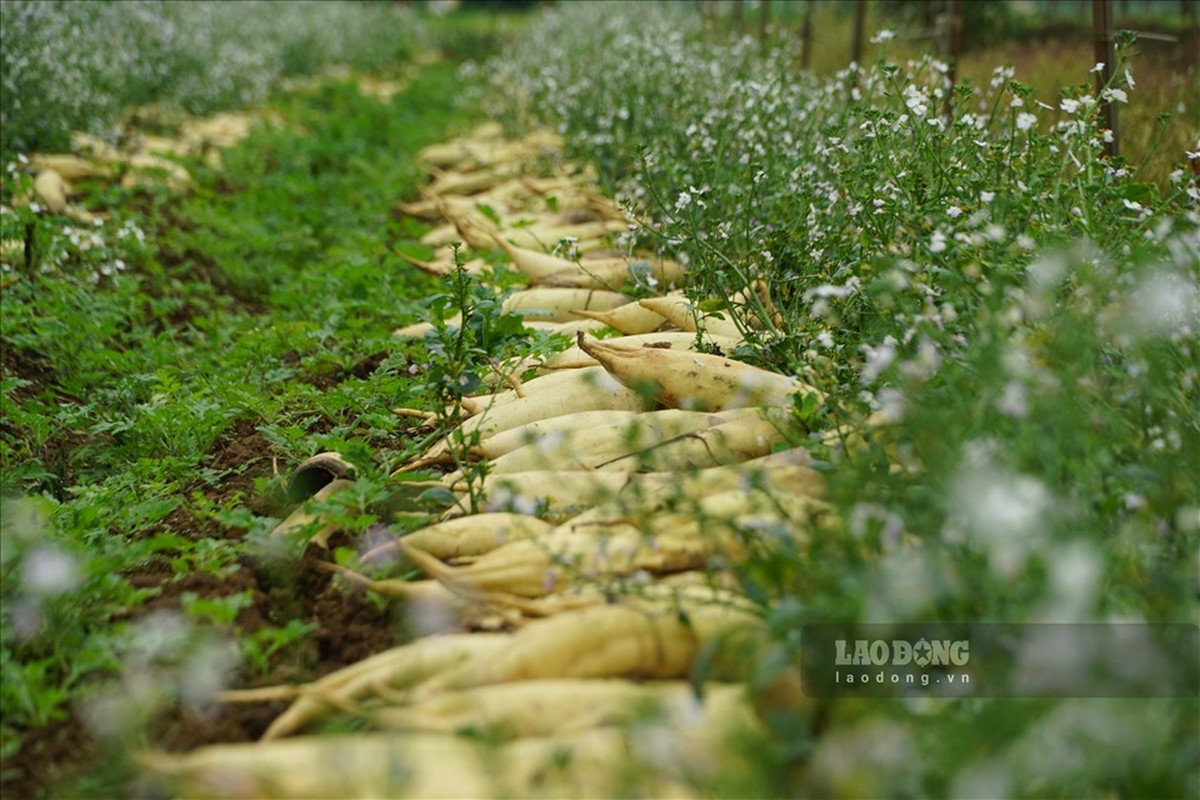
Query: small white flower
{"points": [[891, 404], [882, 36], [50, 571], [954, 212], [1025, 121], [1132, 205], [683, 201], [1129, 79], [1013, 402], [1098, 68], [987, 197], [878, 359], [916, 101], [937, 242], [1070, 106], [1115, 94]]}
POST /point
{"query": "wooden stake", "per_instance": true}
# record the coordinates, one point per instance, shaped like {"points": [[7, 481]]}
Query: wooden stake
{"points": [[953, 48], [806, 36], [1191, 37], [1105, 53], [860, 22]]}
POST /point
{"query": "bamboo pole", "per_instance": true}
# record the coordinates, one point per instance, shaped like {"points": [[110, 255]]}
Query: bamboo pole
{"points": [[1103, 40]]}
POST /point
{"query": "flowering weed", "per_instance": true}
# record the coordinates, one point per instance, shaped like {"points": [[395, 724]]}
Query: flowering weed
{"points": [[1017, 310]]}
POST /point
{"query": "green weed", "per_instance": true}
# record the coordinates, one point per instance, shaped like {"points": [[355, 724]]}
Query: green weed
{"points": [[191, 342]]}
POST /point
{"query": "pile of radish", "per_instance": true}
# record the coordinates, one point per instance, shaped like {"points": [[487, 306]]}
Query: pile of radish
{"points": [[601, 636]]}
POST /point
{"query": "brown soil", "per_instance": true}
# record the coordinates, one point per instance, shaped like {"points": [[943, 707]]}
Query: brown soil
{"points": [[349, 627], [361, 370]]}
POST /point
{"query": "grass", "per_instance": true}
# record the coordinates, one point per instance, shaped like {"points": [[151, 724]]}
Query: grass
{"points": [[259, 308]]}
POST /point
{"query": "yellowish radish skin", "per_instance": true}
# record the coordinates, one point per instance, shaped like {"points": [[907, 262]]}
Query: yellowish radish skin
{"points": [[618, 273], [498, 444], [624, 639], [714, 440], [696, 380], [597, 394], [437, 766], [549, 270], [587, 392], [615, 541], [593, 448], [397, 668], [468, 536], [546, 384], [545, 707], [51, 190], [557, 494], [471, 182], [561, 305], [732, 442], [69, 167], [445, 266], [547, 237], [680, 313], [628, 319], [560, 495], [441, 236], [574, 357]]}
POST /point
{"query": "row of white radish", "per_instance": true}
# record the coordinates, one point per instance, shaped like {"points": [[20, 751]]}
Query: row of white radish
{"points": [[593, 565]]}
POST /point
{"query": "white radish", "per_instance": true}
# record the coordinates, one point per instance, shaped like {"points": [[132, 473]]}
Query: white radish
{"points": [[397, 668], [680, 313], [561, 305], [696, 380], [50, 188], [574, 357], [630, 319]]}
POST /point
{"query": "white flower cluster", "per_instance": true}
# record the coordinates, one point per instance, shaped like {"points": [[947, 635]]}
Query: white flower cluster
{"points": [[70, 65]]}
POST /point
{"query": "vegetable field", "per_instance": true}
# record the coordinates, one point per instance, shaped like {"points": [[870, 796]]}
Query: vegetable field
{"points": [[403, 401]]}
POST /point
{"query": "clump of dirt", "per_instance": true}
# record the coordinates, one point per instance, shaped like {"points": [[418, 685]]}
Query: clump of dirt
{"points": [[50, 756], [362, 369], [353, 626]]}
